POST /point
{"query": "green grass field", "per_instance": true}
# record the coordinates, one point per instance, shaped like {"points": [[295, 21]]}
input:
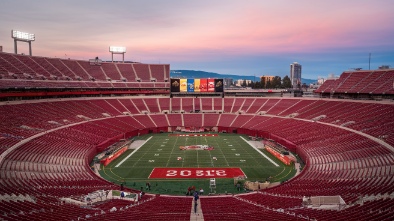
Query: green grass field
{"points": [[162, 150]]}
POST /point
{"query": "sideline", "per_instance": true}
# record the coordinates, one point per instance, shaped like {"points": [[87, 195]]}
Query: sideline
{"points": [[260, 152], [117, 165]]}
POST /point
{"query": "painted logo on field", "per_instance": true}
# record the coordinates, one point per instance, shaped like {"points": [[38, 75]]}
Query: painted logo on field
{"points": [[193, 135], [196, 147], [196, 173]]}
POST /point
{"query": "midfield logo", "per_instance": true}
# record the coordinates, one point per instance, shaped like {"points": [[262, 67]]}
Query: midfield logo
{"points": [[196, 147]]}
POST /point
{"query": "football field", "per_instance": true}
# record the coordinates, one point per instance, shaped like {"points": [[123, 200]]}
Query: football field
{"points": [[171, 170]]}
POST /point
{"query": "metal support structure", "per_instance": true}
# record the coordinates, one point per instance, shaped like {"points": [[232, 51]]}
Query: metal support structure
{"points": [[117, 50], [212, 185], [15, 47], [112, 53], [30, 53]]}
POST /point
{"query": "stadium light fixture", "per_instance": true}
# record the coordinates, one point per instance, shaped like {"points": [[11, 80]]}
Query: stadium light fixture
{"points": [[22, 36], [117, 50]]}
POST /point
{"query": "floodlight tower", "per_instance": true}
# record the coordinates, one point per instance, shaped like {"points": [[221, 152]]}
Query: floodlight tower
{"points": [[22, 36], [117, 50]]}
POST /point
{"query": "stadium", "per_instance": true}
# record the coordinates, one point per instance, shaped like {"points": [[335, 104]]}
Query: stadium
{"points": [[57, 121], [90, 132]]}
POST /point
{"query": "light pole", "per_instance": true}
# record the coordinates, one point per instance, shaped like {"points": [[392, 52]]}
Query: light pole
{"points": [[22, 36]]}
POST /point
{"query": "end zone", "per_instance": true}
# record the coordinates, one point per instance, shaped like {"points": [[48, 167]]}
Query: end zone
{"points": [[193, 135], [196, 173]]}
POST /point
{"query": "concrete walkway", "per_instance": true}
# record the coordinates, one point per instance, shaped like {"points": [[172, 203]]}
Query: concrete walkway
{"points": [[196, 216]]}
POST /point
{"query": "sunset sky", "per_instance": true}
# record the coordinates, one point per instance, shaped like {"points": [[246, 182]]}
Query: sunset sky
{"points": [[224, 36]]}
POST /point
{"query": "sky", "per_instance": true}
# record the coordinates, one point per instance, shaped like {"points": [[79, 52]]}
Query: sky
{"points": [[252, 37]]}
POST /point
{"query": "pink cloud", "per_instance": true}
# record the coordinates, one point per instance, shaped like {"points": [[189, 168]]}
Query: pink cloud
{"points": [[198, 30]]}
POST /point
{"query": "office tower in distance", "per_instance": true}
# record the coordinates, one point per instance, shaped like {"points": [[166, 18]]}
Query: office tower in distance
{"points": [[295, 75]]}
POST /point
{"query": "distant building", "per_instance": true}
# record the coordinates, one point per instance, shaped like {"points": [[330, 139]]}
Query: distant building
{"points": [[241, 81], [331, 76], [227, 82], [266, 79], [320, 81], [295, 74], [383, 67]]}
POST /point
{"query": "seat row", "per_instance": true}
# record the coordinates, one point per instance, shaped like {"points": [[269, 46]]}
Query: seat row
{"points": [[13, 66]]}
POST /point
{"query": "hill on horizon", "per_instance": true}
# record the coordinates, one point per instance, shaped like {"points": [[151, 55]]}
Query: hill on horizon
{"points": [[205, 74]]}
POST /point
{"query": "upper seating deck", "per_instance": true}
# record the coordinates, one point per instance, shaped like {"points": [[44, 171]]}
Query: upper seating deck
{"points": [[32, 69], [361, 82]]}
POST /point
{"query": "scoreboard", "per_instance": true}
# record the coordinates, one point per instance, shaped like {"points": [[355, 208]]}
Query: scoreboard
{"points": [[196, 85]]}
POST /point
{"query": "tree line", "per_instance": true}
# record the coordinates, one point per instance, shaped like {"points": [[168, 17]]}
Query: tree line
{"points": [[276, 82]]}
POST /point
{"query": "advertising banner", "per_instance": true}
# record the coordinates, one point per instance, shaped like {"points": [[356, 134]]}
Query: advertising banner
{"points": [[175, 85], [197, 85], [280, 157], [112, 157], [183, 85], [203, 85], [211, 85], [190, 85], [218, 85]]}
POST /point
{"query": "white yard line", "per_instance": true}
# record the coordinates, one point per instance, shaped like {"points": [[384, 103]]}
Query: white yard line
{"points": [[198, 165], [117, 165], [184, 154], [224, 156], [210, 155], [168, 161], [260, 152], [243, 172], [256, 160], [151, 173]]}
